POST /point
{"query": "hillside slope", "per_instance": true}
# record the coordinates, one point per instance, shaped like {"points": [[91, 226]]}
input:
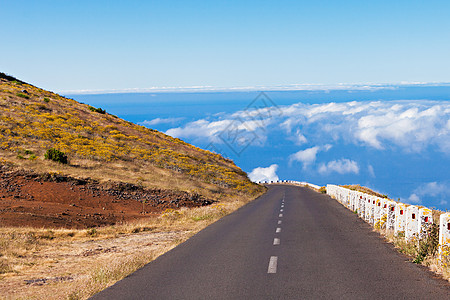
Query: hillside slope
{"points": [[104, 148]]}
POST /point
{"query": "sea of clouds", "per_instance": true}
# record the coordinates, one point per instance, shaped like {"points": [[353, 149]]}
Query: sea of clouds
{"points": [[336, 140]]}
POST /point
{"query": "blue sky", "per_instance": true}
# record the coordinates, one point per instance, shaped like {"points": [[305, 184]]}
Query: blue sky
{"points": [[324, 136], [114, 45]]}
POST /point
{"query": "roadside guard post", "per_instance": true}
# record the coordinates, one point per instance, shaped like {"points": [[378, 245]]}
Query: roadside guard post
{"points": [[444, 236], [400, 214], [425, 221], [412, 222]]}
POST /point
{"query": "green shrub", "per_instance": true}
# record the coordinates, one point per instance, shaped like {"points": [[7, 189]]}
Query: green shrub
{"points": [[98, 110], [428, 246], [46, 100], [323, 190], [56, 155], [23, 95], [92, 232]]}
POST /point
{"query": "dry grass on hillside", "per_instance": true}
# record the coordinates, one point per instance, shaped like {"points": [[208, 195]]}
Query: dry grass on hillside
{"points": [[104, 147], [75, 264], [363, 189]]}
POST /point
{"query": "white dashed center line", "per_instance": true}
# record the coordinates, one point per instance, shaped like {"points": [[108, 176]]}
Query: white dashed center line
{"points": [[279, 222], [276, 241], [280, 215], [281, 210], [272, 265], [278, 230]]}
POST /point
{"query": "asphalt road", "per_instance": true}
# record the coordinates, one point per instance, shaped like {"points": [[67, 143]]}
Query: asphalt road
{"points": [[306, 246]]}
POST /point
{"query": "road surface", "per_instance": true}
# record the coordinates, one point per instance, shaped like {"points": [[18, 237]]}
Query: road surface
{"points": [[291, 243]]}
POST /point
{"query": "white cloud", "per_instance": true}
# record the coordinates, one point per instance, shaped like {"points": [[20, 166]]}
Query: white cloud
{"points": [[300, 139], [260, 174], [341, 166], [288, 87], [161, 121], [199, 129], [432, 189], [308, 156], [429, 190], [412, 126], [414, 199], [371, 171]]}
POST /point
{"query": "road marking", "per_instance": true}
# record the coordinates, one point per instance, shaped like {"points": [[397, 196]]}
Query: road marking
{"points": [[280, 215], [278, 230], [281, 210], [276, 241], [282, 206], [279, 222], [272, 265]]}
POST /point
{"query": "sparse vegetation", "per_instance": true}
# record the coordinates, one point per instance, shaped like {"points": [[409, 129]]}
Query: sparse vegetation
{"points": [[98, 110], [423, 251], [363, 189], [323, 190], [428, 246], [106, 141], [23, 95], [56, 155]]}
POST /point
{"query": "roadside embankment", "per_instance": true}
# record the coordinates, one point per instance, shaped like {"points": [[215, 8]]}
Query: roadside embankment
{"points": [[420, 232]]}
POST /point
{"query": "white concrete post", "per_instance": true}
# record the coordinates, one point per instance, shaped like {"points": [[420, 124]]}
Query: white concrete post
{"points": [[425, 221], [444, 236], [390, 220], [377, 213], [362, 206], [383, 212], [400, 217], [354, 200], [412, 223], [370, 209], [367, 208], [348, 199]]}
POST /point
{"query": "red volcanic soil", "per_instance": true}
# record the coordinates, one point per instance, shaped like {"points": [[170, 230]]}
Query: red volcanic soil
{"points": [[55, 201]]}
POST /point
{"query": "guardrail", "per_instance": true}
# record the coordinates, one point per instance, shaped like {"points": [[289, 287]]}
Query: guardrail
{"points": [[409, 220]]}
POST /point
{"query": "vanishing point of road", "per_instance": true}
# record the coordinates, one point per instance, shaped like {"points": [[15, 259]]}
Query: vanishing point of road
{"points": [[290, 243]]}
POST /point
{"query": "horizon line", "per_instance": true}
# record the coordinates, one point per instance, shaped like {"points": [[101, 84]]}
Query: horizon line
{"points": [[262, 88]]}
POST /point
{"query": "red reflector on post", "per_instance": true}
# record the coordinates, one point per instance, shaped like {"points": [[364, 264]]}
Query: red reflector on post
{"points": [[413, 216], [401, 212], [426, 219]]}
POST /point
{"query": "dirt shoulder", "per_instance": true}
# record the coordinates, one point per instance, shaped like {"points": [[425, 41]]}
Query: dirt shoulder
{"points": [[55, 201]]}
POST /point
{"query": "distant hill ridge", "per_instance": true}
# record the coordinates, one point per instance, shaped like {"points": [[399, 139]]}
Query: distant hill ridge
{"points": [[104, 147]]}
